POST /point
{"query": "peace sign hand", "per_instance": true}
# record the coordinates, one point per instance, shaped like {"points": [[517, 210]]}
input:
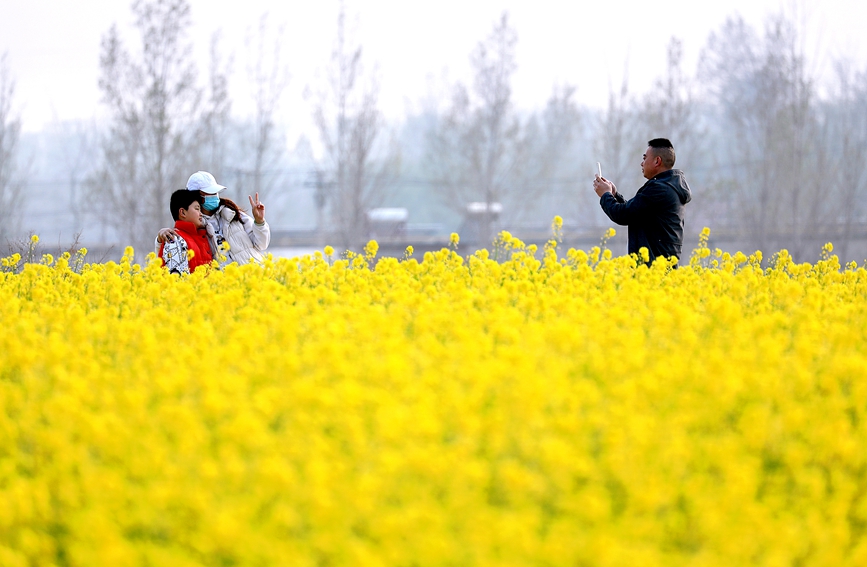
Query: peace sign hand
{"points": [[258, 209]]}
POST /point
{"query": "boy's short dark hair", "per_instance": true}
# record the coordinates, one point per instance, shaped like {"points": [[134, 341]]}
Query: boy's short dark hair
{"points": [[182, 199], [663, 148]]}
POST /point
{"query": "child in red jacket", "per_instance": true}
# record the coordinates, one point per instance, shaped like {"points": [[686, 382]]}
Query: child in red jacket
{"points": [[186, 207]]}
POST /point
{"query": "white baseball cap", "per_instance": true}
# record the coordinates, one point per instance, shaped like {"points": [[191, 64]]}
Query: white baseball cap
{"points": [[204, 182]]}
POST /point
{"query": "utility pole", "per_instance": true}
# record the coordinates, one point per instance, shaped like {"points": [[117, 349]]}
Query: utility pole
{"points": [[321, 190]]}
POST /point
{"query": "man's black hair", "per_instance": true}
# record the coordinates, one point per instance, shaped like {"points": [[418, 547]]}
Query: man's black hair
{"points": [[662, 147], [182, 199]]}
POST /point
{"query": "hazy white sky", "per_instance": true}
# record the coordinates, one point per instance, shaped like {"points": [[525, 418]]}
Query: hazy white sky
{"points": [[52, 46]]}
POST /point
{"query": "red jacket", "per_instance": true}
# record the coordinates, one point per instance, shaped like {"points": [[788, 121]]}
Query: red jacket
{"points": [[197, 241]]}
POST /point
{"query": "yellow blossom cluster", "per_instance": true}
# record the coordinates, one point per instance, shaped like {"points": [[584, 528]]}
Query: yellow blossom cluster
{"points": [[538, 409]]}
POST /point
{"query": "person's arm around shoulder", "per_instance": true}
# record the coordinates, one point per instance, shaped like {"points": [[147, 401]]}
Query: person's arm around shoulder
{"points": [[164, 235]]}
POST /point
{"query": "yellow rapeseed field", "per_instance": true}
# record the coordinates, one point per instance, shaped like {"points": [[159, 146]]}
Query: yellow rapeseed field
{"points": [[513, 407]]}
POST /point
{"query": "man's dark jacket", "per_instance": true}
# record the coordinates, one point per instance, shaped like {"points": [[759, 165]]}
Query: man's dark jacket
{"points": [[654, 215]]}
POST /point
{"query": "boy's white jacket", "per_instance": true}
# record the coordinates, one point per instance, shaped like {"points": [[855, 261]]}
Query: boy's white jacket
{"points": [[247, 240]]}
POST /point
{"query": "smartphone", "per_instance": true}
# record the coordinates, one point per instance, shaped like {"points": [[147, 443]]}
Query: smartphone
{"points": [[598, 169]]}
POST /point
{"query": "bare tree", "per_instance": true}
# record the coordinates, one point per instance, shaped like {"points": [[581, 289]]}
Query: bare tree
{"points": [[671, 110], [561, 121], [558, 165], [356, 168], [477, 149], [846, 119], [767, 103], [11, 182], [75, 151], [268, 78], [618, 140], [154, 103], [216, 128]]}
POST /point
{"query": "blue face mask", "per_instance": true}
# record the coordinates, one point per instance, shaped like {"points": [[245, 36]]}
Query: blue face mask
{"points": [[211, 202]]}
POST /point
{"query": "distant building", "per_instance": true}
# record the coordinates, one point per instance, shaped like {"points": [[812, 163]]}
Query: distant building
{"points": [[481, 222], [387, 222]]}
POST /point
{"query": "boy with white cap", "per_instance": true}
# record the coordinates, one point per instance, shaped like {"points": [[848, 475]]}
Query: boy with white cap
{"points": [[247, 237]]}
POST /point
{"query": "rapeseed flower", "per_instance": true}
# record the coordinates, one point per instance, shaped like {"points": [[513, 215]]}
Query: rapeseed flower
{"points": [[574, 409]]}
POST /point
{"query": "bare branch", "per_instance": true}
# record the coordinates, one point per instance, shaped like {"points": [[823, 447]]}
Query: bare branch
{"points": [[155, 105], [358, 164], [11, 181]]}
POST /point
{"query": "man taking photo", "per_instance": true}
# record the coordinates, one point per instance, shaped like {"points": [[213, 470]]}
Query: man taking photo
{"points": [[654, 216]]}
